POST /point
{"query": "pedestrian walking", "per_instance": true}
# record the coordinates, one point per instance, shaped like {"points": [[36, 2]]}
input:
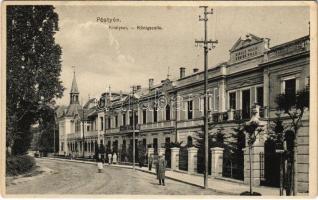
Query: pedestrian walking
{"points": [[109, 158], [156, 162], [150, 162], [162, 163], [114, 158]]}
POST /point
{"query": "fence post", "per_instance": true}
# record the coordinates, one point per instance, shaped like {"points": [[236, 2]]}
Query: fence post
{"points": [[175, 152], [161, 152], [192, 160], [257, 172], [216, 162]]}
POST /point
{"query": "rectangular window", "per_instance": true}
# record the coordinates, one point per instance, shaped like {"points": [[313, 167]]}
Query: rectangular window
{"points": [[259, 96], [101, 123], [155, 113], [190, 109], [232, 100], [124, 119], [116, 121], [144, 116], [109, 123], [290, 89], [216, 99]]}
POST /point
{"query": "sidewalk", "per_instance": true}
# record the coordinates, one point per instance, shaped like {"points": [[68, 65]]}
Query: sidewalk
{"points": [[217, 185]]}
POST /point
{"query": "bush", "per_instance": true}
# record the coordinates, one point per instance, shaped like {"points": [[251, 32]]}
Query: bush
{"points": [[16, 165]]}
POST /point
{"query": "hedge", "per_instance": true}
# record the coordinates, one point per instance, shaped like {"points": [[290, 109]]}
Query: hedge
{"points": [[16, 165]]}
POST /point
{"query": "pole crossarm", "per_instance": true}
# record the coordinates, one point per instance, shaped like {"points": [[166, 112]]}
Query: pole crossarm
{"points": [[207, 42]]}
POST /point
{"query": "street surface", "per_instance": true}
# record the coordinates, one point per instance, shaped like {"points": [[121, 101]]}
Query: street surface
{"points": [[80, 178]]}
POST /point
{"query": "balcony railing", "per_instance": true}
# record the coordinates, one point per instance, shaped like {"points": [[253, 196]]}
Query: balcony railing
{"points": [[293, 47], [236, 115], [129, 127], [161, 124]]}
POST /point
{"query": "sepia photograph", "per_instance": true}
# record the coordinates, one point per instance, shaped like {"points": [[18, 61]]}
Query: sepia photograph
{"points": [[158, 99]]}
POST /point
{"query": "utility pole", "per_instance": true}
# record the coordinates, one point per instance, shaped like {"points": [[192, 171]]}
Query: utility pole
{"points": [[54, 132], [133, 125], [206, 49]]}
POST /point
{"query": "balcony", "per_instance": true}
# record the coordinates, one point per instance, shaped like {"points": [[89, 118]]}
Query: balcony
{"points": [[91, 133], [129, 128], [161, 124], [236, 115], [112, 131]]}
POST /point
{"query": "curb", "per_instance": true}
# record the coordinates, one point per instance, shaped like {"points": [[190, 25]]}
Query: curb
{"points": [[149, 172]]}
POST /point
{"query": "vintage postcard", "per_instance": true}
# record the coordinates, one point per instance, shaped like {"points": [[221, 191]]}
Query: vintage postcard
{"points": [[163, 99]]}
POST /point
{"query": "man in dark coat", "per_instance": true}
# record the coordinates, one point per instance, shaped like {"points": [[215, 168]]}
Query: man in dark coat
{"points": [[162, 163], [150, 162]]}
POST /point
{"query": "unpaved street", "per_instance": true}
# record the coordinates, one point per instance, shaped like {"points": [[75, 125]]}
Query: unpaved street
{"points": [[79, 178]]}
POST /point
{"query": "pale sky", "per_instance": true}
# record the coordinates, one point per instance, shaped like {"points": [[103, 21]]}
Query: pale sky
{"points": [[121, 58]]}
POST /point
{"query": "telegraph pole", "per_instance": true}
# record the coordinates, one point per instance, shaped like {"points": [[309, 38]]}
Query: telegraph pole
{"points": [[206, 49], [133, 125]]}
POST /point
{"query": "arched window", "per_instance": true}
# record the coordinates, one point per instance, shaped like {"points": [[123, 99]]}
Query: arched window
{"points": [[167, 112]]}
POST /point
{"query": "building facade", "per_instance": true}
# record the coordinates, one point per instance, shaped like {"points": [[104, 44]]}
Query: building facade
{"points": [[172, 111]]}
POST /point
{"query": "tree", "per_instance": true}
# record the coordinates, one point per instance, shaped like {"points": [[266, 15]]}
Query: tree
{"points": [[252, 128], [46, 127], [294, 107], [33, 70]]}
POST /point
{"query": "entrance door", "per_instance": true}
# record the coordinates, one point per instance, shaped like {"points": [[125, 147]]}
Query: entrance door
{"points": [[246, 104]]}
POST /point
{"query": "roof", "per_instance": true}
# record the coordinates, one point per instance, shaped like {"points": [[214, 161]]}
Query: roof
{"points": [[74, 88], [248, 40], [73, 109]]}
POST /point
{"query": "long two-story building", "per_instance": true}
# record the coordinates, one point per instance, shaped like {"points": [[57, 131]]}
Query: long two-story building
{"points": [[172, 111]]}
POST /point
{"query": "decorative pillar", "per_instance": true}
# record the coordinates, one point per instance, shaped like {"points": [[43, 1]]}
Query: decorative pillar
{"points": [[175, 152], [266, 93], [150, 153], [192, 160], [161, 152], [216, 162], [222, 95], [256, 165], [230, 114], [257, 109]]}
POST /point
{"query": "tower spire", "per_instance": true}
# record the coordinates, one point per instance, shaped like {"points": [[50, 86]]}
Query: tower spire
{"points": [[74, 93]]}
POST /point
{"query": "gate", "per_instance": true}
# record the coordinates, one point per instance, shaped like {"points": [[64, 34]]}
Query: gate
{"points": [[233, 163], [183, 158], [271, 165], [200, 163]]}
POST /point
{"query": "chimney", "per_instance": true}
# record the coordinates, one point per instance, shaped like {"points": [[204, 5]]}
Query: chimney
{"points": [[195, 70], [121, 94], [182, 72], [150, 83], [138, 87]]}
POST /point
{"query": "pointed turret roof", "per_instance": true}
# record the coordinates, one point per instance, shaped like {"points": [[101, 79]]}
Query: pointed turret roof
{"points": [[74, 88]]}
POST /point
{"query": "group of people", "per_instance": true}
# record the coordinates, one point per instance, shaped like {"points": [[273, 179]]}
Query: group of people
{"points": [[161, 165], [112, 158]]}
